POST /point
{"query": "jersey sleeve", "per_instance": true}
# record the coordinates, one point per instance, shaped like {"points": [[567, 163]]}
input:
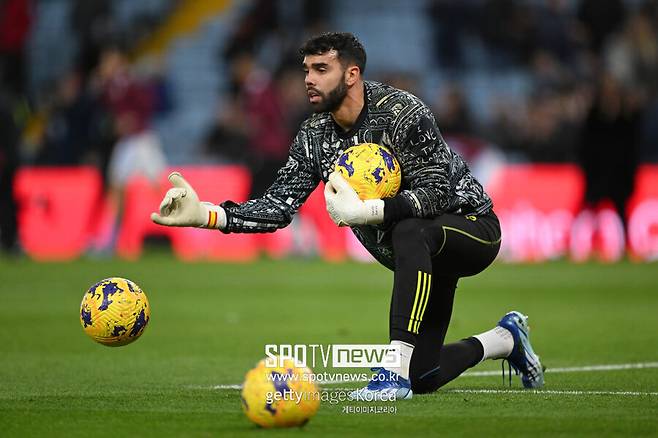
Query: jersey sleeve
{"points": [[295, 181], [426, 160]]}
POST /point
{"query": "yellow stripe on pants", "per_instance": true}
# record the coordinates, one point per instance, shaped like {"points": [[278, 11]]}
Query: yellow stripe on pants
{"points": [[428, 288], [413, 310]]}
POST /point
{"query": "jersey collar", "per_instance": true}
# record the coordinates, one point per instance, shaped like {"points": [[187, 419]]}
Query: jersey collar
{"points": [[359, 120]]}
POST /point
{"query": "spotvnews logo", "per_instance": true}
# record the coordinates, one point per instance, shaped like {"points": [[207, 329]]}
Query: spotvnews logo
{"points": [[333, 355]]}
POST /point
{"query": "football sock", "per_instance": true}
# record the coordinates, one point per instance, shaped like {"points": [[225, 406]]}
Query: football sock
{"points": [[458, 357], [497, 343], [406, 350], [454, 360]]}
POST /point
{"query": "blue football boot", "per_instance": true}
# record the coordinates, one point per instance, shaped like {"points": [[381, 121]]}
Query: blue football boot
{"points": [[522, 358], [384, 386]]}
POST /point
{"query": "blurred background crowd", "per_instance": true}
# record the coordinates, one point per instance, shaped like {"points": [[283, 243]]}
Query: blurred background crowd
{"points": [[132, 87]]}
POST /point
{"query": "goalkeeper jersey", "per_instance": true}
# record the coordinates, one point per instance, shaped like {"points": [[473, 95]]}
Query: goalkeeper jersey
{"points": [[435, 179]]}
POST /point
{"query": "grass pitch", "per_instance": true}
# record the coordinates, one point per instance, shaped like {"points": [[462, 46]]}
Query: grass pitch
{"points": [[210, 322]]}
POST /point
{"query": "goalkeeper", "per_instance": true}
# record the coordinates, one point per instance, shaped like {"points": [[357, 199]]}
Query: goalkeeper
{"points": [[438, 228]]}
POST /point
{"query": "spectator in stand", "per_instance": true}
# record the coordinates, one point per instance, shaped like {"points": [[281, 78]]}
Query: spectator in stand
{"points": [[609, 153], [504, 128], [228, 138], [508, 30], [10, 138], [454, 113], [548, 137], [268, 129], [131, 102], [260, 19], [15, 24], [450, 22], [632, 57], [74, 130], [556, 30], [293, 97], [599, 19], [93, 23]]}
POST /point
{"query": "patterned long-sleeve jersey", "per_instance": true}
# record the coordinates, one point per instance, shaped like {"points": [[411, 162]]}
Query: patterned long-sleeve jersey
{"points": [[435, 179]]}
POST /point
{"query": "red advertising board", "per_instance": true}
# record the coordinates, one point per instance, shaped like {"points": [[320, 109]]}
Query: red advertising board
{"points": [[63, 213]]}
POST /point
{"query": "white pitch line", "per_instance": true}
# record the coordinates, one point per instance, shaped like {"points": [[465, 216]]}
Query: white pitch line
{"points": [[549, 391], [587, 368], [506, 391], [221, 387]]}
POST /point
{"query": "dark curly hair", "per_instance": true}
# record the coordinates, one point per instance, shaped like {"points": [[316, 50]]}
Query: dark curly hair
{"points": [[349, 48]]}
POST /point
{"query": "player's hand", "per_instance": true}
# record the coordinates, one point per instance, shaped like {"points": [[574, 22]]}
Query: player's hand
{"points": [[345, 207], [181, 207]]}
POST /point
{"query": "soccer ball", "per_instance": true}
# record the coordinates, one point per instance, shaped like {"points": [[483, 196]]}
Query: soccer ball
{"points": [[114, 312], [371, 169], [280, 396]]}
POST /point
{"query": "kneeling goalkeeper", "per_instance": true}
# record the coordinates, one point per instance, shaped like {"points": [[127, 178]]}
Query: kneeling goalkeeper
{"points": [[438, 228]]}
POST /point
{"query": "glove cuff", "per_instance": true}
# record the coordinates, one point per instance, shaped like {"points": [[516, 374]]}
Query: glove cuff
{"points": [[216, 216], [374, 211]]}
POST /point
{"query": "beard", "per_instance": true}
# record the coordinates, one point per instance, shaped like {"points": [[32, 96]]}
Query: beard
{"points": [[332, 100]]}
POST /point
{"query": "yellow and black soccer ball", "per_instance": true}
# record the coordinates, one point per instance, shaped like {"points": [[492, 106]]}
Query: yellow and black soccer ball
{"points": [[114, 312], [280, 396], [371, 170]]}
